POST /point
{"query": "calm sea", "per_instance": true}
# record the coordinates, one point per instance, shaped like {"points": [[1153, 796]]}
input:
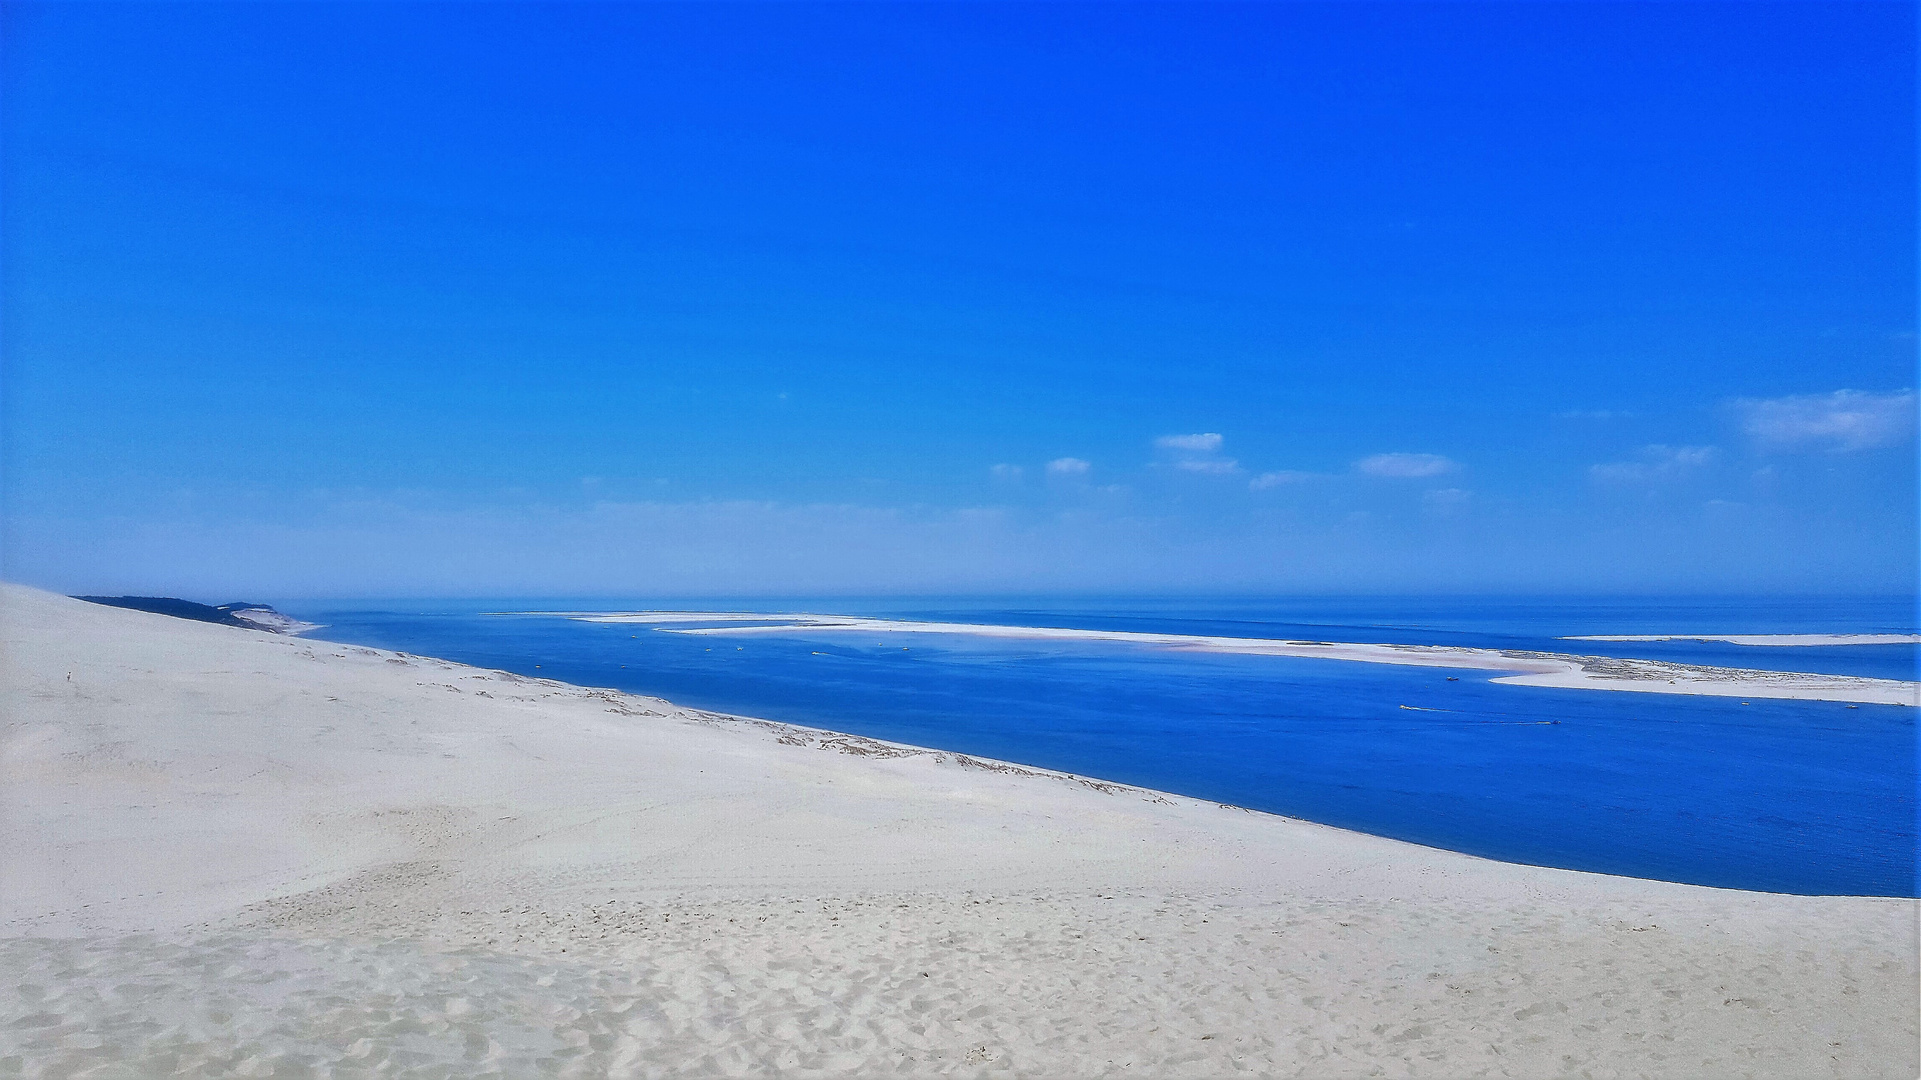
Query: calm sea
{"points": [[1804, 797]]}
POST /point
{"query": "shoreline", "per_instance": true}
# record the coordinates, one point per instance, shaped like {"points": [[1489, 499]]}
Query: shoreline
{"points": [[295, 848], [1521, 667], [1769, 640]]}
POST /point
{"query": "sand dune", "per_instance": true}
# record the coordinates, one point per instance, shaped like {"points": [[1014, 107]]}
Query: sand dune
{"points": [[231, 853]]}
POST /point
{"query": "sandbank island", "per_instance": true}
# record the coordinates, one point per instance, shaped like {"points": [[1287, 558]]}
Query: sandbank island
{"points": [[225, 852], [1515, 667]]}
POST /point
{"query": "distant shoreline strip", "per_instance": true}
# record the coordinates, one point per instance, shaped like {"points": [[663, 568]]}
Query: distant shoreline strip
{"points": [[1521, 667], [1775, 640]]}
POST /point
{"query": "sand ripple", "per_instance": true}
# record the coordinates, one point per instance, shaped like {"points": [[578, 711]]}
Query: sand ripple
{"points": [[1096, 984]]}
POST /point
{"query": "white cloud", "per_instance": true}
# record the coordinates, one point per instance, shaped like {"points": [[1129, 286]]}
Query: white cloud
{"points": [[1278, 479], [1405, 466], [1657, 463], [1447, 498], [1211, 466], [1198, 453], [1006, 472], [1842, 421], [1204, 443], [1068, 466]]}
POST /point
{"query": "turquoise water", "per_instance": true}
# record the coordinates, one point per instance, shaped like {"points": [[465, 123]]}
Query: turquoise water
{"points": [[1806, 797]]}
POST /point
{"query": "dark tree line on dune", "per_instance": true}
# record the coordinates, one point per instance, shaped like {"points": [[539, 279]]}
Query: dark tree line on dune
{"points": [[182, 609]]}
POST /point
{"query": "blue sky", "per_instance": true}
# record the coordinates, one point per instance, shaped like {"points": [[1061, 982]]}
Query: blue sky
{"points": [[602, 299]]}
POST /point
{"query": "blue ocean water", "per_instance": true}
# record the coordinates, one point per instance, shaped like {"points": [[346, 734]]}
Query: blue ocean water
{"points": [[1784, 796]]}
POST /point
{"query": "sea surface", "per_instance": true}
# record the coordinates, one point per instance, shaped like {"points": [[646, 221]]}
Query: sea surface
{"points": [[1782, 796]]}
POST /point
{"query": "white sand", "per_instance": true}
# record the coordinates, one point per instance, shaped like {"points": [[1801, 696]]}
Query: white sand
{"points": [[231, 853], [1775, 640], [275, 622], [1529, 668]]}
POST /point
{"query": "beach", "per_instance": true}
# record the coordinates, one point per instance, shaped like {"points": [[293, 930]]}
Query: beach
{"points": [[233, 852]]}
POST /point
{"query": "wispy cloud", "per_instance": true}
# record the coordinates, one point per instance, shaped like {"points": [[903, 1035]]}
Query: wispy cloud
{"points": [[1204, 443], [1447, 499], [1405, 466], [1280, 478], [1197, 453], [1210, 466], [1069, 466], [1009, 473], [1842, 421], [1656, 463]]}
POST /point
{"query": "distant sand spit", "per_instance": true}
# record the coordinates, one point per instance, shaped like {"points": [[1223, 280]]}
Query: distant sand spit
{"points": [[231, 853], [1528, 668], [1775, 640]]}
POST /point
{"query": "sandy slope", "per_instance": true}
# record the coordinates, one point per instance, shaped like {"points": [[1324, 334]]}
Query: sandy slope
{"points": [[223, 851]]}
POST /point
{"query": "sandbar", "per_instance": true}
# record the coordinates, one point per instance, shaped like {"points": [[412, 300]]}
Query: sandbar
{"points": [[1522, 667], [1773, 640]]}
